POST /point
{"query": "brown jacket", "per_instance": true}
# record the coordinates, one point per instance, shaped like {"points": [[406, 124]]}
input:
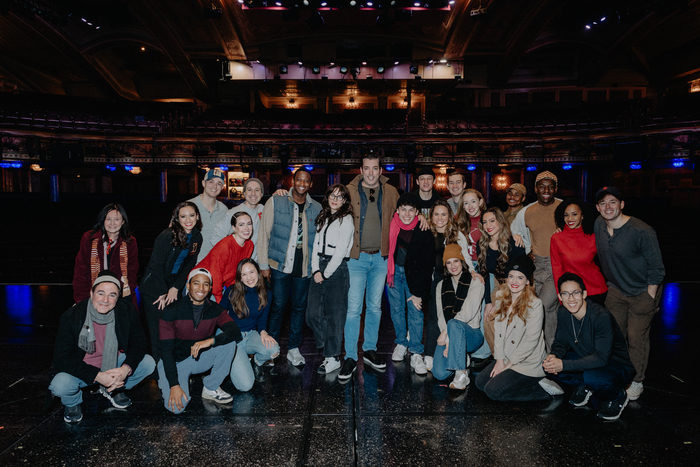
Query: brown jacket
{"points": [[389, 199]]}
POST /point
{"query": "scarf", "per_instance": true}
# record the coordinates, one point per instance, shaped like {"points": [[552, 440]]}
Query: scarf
{"points": [[452, 302], [86, 339], [96, 264], [394, 228]]}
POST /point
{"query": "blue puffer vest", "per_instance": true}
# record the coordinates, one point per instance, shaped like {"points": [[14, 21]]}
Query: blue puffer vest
{"points": [[282, 228]]}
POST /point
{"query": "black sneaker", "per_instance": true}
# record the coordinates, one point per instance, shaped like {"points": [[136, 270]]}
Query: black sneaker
{"points": [[370, 357], [117, 398], [580, 396], [611, 410], [72, 414], [258, 372], [349, 366]]}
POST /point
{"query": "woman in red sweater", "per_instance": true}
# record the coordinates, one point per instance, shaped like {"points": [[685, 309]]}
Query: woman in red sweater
{"points": [[109, 245], [573, 249], [222, 261], [471, 205]]}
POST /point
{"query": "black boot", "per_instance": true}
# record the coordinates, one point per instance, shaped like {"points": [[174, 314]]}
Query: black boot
{"points": [[259, 372]]}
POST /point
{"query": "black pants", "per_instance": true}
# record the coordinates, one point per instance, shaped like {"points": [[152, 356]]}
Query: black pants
{"points": [[432, 330], [509, 385], [153, 321], [328, 307]]}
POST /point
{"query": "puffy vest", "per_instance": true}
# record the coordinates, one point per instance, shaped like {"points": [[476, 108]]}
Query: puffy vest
{"points": [[282, 228]]}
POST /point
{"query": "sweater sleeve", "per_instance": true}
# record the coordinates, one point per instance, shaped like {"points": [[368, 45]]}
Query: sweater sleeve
{"points": [[217, 258], [649, 246], [262, 319], [555, 258], [223, 229], [167, 334], [158, 261], [602, 345], [462, 242], [518, 227], [230, 329], [268, 219], [81, 271], [189, 262], [346, 232]]}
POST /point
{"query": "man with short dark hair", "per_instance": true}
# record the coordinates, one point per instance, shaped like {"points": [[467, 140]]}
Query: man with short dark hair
{"points": [[589, 351], [285, 244], [630, 259], [456, 184], [515, 196], [211, 210], [427, 196], [99, 341]]}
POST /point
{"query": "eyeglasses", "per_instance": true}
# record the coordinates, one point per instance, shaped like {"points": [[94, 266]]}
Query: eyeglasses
{"points": [[371, 195], [575, 294], [335, 197]]}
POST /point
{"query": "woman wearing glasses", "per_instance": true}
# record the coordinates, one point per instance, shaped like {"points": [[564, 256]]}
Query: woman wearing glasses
{"points": [[328, 291]]}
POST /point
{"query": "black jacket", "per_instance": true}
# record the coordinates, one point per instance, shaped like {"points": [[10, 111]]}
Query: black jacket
{"points": [[419, 263], [157, 280], [68, 357]]}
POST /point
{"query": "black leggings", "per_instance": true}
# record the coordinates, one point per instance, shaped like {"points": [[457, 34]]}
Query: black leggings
{"points": [[509, 385]]}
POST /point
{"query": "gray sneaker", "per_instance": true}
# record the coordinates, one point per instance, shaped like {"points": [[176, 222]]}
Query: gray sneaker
{"points": [[219, 396], [72, 414], [117, 398]]}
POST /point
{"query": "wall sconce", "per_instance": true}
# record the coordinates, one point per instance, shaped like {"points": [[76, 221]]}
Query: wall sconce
{"points": [[501, 182]]}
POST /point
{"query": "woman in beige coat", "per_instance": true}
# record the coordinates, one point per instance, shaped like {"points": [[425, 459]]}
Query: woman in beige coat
{"points": [[519, 341]]}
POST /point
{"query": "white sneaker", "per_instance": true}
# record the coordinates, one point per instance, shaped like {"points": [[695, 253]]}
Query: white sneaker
{"points": [[635, 390], [418, 364], [295, 357], [399, 353], [329, 365], [552, 388], [428, 362], [219, 396], [461, 380]]}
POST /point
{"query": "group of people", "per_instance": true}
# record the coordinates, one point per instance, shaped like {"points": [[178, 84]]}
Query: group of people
{"points": [[516, 297]]}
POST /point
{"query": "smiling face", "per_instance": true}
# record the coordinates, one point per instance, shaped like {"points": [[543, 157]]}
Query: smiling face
{"points": [[187, 218], [370, 171], [610, 208], [199, 288], [113, 224], [573, 216], [440, 218], [456, 184], [243, 228], [454, 266], [253, 194], [572, 297], [545, 190], [407, 213], [249, 275], [104, 297], [425, 183], [302, 183], [335, 201], [491, 225], [516, 282], [213, 187], [472, 204], [513, 198]]}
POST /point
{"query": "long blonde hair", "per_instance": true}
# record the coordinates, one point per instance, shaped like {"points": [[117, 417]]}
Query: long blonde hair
{"points": [[503, 243], [464, 223], [520, 307], [451, 229]]}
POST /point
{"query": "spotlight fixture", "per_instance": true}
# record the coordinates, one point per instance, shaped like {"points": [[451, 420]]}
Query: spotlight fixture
{"points": [[300, 63], [316, 70], [471, 167], [353, 3], [396, 62], [283, 70], [413, 69], [343, 70], [380, 70], [566, 166], [443, 60]]}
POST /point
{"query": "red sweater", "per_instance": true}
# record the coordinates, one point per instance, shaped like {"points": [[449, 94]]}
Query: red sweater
{"points": [[222, 262], [474, 236], [573, 251], [82, 279]]}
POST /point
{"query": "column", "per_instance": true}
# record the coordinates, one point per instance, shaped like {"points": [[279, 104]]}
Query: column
{"points": [[163, 185]]}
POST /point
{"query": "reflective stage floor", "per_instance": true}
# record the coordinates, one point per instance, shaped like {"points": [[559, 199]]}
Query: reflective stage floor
{"points": [[377, 419]]}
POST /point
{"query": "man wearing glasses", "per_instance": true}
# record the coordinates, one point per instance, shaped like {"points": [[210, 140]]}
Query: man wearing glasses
{"points": [[589, 351], [373, 203]]}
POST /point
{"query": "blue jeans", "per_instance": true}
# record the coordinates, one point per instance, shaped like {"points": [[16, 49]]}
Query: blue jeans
{"points": [[368, 272], [463, 339], [282, 285], [241, 371], [403, 313], [217, 359], [607, 383], [484, 350], [67, 386]]}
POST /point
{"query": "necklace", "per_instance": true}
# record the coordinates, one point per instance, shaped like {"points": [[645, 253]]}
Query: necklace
{"points": [[573, 328]]}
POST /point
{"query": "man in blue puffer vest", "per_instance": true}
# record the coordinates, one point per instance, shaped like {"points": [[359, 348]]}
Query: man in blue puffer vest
{"points": [[285, 243]]}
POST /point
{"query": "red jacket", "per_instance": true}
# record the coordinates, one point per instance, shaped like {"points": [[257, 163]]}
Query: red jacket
{"points": [[573, 251], [222, 262], [82, 278]]}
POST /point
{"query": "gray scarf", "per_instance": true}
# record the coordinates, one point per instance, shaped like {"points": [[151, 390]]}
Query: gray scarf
{"points": [[86, 339]]}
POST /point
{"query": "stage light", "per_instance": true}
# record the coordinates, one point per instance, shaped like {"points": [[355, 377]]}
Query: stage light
{"points": [[343, 70], [678, 164], [531, 168], [413, 69], [390, 168], [300, 63], [10, 165], [283, 70], [316, 70], [111, 168], [396, 62], [364, 63], [380, 70], [471, 167], [310, 168], [223, 168], [635, 166], [566, 167], [443, 60]]}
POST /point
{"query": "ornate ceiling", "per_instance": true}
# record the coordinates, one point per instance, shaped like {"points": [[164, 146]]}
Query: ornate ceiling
{"points": [[174, 49]]}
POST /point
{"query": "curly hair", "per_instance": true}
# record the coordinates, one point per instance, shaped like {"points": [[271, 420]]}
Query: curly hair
{"points": [[503, 242], [463, 221], [326, 215], [124, 232], [587, 221], [451, 229], [179, 234], [238, 291], [520, 307]]}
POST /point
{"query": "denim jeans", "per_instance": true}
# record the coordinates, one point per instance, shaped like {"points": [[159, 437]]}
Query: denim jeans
{"points": [[484, 350], [607, 383], [241, 371], [328, 307], [509, 385], [368, 272], [404, 315], [67, 386], [217, 359], [282, 285], [463, 339]]}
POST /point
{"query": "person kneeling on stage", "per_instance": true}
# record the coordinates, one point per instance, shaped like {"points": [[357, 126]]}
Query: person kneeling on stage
{"points": [[88, 348], [190, 344], [589, 351], [458, 305]]}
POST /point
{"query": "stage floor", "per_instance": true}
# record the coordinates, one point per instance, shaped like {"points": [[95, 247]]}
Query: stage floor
{"points": [[378, 418]]}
